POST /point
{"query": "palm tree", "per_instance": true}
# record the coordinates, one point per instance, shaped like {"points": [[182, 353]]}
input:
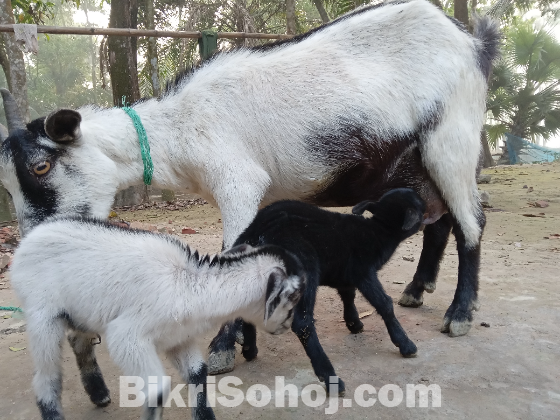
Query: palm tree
{"points": [[524, 93]]}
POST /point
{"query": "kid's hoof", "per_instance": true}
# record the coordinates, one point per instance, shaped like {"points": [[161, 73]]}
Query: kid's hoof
{"points": [[408, 349], [430, 287], [104, 402], [355, 327], [410, 301], [221, 362], [341, 388], [250, 353]]}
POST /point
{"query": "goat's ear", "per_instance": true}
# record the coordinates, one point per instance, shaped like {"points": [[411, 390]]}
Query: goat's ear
{"points": [[63, 126], [238, 249], [273, 291], [411, 217], [359, 208]]}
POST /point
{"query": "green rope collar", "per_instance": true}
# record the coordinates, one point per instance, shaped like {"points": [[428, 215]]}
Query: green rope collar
{"points": [[144, 145], [10, 308]]}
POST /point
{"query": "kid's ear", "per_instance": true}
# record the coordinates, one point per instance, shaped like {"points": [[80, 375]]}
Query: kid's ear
{"points": [[359, 208], [241, 248], [273, 290], [411, 218]]}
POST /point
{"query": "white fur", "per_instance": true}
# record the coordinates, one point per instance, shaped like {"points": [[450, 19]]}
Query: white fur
{"points": [[143, 291], [237, 131]]}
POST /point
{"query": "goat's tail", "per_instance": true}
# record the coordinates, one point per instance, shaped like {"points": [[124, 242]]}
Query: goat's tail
{"points": [[487, 32]]}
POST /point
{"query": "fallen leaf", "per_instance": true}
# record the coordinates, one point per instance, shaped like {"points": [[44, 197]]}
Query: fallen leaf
{"points": [[398, 282], [17, 348], [188, 231], [411, 259], [533, 215], [113, 214], [364, 314]]}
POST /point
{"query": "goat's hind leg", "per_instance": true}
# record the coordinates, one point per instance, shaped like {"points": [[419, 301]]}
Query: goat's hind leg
{"points": [[189, 361], [458, 318], [373, 291], [435, 241], [45, 339], [303, 326], [138, 357], [83, 346], [351, 316]]}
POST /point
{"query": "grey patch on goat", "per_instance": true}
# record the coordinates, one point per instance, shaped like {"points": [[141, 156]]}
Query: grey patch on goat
{"points": [[458, 328], [221, 361]]}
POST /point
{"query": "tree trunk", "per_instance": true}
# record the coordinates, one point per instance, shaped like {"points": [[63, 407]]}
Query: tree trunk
{"points": [[291, 17], [487, 159], [461, 11], [152, 56], [122, 53], [321, 9], [15, 66]]}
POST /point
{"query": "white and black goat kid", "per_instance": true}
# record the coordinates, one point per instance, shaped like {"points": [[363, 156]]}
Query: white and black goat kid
{"points": [[388, 96], [338, 250], [144, 292]]}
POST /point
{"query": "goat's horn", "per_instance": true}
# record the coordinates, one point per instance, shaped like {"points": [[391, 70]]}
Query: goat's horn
{"points": [[13, 116], [3, 133]]}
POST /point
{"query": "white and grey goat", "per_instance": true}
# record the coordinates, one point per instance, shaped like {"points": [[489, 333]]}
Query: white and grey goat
{"points": [[389, 96], [144, 292]]}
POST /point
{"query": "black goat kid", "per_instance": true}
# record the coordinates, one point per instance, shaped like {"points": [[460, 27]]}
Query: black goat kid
{"points": [[338, 250]]}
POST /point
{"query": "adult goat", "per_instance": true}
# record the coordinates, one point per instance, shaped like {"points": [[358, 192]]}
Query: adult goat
{"points": [[390, 95]]}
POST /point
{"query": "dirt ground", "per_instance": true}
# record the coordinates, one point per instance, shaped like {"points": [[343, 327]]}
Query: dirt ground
{"points": [[509, 370]]}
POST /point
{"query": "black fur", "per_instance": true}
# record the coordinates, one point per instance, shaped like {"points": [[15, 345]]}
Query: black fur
{"points": [[435, 241], [489, 35], [22, 146], [202, 411], [340, 251], [92, 378]]}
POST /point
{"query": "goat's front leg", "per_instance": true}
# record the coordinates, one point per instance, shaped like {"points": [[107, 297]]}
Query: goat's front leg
{"points": [[303, 326], [190, 363], [351, 316], [238, 196], [83, 346], [138, 357], [373, 291], [221, 357], [458, 318], [45, 339], [435, 241]]}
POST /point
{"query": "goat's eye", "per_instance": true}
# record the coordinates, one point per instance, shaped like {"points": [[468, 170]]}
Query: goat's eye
{"points": [[42, 168]]}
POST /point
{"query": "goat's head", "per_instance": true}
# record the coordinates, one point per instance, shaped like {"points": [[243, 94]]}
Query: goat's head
{"points": [[42, 167], [401, 209], [283, 292]]}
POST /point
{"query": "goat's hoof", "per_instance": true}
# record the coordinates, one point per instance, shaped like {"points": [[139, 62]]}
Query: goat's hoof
{"points": [[104, 402], [341, 387], [430, 287], [221, 362], [239, 338], [408, 349], [458, 328], [355, 327], [456, 322], [410, 301], [250, 353]]}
